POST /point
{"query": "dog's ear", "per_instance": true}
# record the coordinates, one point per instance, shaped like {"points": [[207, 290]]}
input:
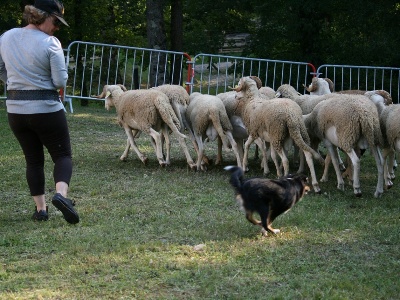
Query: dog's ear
{"points": [[301, 176], [304, 178]]}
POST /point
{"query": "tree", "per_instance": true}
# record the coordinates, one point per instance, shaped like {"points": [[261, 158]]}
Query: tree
{"points": [[176, 36], [156, 39]]}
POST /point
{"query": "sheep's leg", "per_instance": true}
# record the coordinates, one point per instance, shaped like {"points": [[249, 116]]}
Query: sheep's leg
{"points": [[348, 173], [249, 141], [200, 154], [388, 155], [234, 148], [310, 163], [328, 161], [219, 151], [285, 162], [275, 160], [157, 139], [355, 161], [218, 160], [391, 162], [167, 141], [265, 155], [341, 163], [300, 155], [205, 161], [185, 149], [131, 137], [297, 155], [379, 165], [239, 143], [333, 154], [124, 155]]}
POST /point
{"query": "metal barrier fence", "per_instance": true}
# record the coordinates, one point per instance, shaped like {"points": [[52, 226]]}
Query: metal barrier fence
{"points": [[348, 77], [214, 74], [93, 65]]}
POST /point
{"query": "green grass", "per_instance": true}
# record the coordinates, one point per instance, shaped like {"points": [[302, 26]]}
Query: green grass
{"points": [[140, 225]]}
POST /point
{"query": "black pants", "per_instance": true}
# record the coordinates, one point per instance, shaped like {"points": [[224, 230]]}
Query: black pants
{"points": [[36, 131]]}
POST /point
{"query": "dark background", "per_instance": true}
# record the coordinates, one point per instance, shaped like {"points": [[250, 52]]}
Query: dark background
{"points": [[319, 32]]}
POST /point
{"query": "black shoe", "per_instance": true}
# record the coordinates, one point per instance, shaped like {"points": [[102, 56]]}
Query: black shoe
{"points": [[40, 215], [66, 206]]}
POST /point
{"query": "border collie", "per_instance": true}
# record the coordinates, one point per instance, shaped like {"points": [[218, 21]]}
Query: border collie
{"points": [[268, 197]]}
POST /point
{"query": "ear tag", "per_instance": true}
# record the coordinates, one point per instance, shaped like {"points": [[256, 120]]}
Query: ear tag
{"points": [[107, 94]]}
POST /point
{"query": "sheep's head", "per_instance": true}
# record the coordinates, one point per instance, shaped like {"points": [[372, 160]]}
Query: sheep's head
{"points": [[313, 86], [386, 96], [320, 86], [110, 91], [244, 82], [286, 91], [380, 95]]}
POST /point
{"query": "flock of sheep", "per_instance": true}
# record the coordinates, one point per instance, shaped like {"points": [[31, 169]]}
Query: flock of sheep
{"points": [[348, 121]]}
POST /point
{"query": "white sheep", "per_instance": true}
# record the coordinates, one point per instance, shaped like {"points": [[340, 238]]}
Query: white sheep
{"points": [[147, 111], [267, 92], [380, 98], [277, 121], [207, 118], [320, 86], [348, 121], [234, 106], [307, 104], [179, 99], [390, 126]]}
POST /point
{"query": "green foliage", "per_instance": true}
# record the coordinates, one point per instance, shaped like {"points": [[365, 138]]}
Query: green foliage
{"points": [[10, 15], [331, 32], [320, 32]]}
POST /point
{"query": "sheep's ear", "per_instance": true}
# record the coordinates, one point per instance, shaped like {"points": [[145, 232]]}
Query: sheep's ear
{"points": [[108, 94]]}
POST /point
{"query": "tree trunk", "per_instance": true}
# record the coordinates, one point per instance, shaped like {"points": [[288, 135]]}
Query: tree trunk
{"points": [[78, 37], [176, 38], [156, 39]]}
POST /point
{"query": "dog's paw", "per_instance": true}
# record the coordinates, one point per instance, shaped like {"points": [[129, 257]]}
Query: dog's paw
{"points": [[276, 231]]}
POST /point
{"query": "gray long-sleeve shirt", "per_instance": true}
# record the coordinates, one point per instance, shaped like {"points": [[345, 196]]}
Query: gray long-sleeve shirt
{"points": [[32, 60]]}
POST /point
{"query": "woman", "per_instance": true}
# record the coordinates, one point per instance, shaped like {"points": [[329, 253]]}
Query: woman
{"points": [[32, 64]]}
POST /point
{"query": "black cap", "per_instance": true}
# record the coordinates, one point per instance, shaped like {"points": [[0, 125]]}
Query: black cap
{"points": [[53, 7]]}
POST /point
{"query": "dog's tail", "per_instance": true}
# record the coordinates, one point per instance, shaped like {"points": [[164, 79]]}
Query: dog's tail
{"points": [[237, 177]]}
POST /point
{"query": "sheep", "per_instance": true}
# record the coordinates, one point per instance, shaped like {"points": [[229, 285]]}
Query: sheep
{"points": [[233, 106], [390, 126], [278, 121], [147, 111], [381, 99], [179, 99], [307, 104], [320, 86], [207, 118], [267, 92], [347, 121]]}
